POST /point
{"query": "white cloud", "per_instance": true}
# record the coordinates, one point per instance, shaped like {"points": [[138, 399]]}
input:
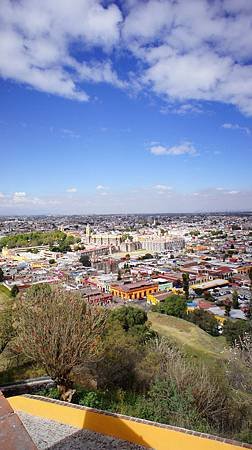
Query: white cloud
{"points": [[185, 108], [194, 50], [176, 150], [18, 201], [235, 126], [97, 72], [232, 192], [147, 20], [36, 37], [100, 187], [71, 190], [162, 187], [19, 198], [134, 201], [102, 190], [69, 133], [19, 194], [185, 51]]}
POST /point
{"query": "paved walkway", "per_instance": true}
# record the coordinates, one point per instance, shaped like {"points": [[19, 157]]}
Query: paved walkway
{"points": [[48, 434]]}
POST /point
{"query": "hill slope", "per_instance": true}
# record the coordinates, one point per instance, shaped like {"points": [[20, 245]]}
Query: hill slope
{"points": [[190, 337]]}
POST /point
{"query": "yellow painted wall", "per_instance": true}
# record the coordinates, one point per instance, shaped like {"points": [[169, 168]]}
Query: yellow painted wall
{"points": [[152, 299], [137, 293], [148, 435]]}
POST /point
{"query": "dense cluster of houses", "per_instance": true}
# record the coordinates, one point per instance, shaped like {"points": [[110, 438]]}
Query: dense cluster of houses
{"points": [[139, 259]]}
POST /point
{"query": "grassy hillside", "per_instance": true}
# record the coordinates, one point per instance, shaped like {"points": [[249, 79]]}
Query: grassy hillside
{"points": [[4, 295], [190, 337]]}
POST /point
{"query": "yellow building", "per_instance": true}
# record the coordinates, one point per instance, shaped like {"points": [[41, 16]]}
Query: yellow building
{"points": [[154, 299], [133, 291], [244, 269]]}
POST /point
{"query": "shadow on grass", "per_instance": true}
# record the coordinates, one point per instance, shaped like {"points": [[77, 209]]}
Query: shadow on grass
{"points": [[18, 372]]}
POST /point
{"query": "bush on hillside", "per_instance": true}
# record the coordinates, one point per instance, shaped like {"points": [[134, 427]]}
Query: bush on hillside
{"points": [[174, 305], [205, 320], [234, 330]]}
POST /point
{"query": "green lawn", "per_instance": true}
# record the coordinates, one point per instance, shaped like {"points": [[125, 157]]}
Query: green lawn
{"points": [[189, 337]]}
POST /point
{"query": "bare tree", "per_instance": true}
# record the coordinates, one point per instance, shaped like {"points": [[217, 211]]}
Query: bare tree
{"points": [[61, 332]]}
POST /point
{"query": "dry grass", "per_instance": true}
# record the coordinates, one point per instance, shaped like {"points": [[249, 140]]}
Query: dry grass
{"points": [[189, 337], [4, 296]]}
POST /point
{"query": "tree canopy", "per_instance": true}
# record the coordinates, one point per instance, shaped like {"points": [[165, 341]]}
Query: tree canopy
{"points": [[174, 305], [1, 275], [205, 320], [234, 330], [32, 239], [133, 321], [185, 278], [60, 332], [85, 260]]}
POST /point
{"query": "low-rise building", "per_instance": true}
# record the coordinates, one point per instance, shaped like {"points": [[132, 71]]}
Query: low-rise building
{"points": [[134, 291]]}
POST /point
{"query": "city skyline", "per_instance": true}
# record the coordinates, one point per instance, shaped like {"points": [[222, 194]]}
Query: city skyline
{"points": [[125, 107]]}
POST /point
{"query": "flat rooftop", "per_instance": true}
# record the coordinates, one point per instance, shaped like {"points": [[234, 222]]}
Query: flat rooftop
{"points": [[211, 284]]}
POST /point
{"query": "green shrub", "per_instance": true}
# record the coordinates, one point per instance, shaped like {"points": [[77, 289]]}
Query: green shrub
{"points": [[174, 305], [233, 330], [93, 399], [205, 320], [165, 403], [51, 392]]}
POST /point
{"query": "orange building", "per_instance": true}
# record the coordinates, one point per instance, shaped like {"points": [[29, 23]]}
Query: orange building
{"points": [[133, 291]]}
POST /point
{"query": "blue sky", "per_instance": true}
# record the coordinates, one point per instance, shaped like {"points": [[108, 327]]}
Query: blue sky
{"points": [[110, 107]]}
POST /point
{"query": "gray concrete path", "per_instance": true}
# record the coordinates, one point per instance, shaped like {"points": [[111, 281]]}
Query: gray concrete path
{"points": [[48, 434]]}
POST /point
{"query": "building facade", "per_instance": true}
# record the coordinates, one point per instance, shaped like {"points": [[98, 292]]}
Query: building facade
{"points": [[133, 291]]}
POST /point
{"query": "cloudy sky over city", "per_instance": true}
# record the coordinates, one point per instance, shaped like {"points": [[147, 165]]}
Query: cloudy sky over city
{"points": [[125, 106]]}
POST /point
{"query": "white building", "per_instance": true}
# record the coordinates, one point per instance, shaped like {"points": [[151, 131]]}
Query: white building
{"points": [[162, 244]]}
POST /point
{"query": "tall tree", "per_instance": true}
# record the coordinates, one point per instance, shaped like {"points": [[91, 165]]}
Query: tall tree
{"points": [[185, 278], [85, 260], [1, 275], [228, 306], [249, 309], [235, 299], [61, 332], [14, 291], [119, 275], [174, 305]]}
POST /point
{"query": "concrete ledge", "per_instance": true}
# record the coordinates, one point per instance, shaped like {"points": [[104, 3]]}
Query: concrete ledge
{"points": [[138, 431], [13, 435]]}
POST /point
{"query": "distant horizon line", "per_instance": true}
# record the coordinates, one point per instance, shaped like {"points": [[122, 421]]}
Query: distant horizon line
{"points": [[128, 214]]}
